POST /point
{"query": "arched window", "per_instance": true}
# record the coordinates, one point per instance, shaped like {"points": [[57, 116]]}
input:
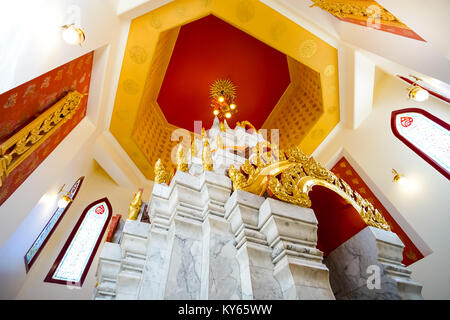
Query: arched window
{"points": [[73, 262], [426, 135]]}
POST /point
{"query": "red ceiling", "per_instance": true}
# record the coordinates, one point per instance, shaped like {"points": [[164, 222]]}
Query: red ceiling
{"points": [[208, 49]]}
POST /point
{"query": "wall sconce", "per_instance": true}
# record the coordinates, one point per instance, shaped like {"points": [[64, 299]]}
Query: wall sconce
{"points": [[416, 92], [73, 34], [398, 177], [406, 184]]}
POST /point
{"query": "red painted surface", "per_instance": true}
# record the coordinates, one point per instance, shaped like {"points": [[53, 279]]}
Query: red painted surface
{"points": [[408, 33], [208, 49], [113, 227], [338, 224], [338, 220], [419, 152], [22, 104]]}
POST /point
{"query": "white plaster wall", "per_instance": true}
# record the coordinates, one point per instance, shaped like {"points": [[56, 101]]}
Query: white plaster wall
{"points": [[97, 184], [376, 151]]}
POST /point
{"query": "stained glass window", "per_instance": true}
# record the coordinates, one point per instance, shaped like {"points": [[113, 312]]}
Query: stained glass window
{"points": [[51, 225], [425, 134], [74, 261]]}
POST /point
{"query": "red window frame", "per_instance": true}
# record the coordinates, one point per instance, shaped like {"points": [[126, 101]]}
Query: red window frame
{"points": [[49, 277], [413, 147]]}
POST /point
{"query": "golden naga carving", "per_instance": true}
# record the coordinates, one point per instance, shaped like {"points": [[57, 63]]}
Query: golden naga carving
{"points": [[135, 205], [292, 176], [18, 147], [161, 175], [245, 123], [182, 163], [357, 9], [207, 156]]}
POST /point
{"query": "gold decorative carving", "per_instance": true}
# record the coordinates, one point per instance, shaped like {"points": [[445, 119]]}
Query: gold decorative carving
{"points": [[206, 156], [18, 147], [356, 9], [161, 175], [182, 163], [135, 205], [292, 177]]}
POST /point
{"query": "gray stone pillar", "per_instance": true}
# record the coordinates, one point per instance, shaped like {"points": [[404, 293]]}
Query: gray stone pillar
{"points": [[220, 278], [254, 255], [291, 232], [368, 266]]}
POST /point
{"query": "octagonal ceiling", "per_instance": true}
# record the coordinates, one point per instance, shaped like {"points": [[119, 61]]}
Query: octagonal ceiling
{"points": [[208, 49], [286, 77]]}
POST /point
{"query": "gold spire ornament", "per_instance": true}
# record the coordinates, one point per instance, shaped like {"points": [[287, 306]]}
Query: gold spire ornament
{"points": [[219, 142], [135, 205], [207, 157], [161, 175], [193, 149], [182, 163]]}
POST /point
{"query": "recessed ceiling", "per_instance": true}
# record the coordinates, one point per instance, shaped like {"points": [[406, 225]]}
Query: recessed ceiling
{"points": [[208, 49]]}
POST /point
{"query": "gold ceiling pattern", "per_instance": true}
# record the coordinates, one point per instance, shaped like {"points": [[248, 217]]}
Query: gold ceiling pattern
{"points": [[299, 107], [139, 125]]}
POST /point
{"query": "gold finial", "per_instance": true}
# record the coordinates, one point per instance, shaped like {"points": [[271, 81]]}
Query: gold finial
{"points": [[219, 142], [135, 205], [161, 175], [193, 149], [203, 133], [182, 164], [222, 127], [206, 156]]}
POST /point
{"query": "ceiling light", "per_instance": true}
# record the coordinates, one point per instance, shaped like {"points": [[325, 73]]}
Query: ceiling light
{"points": [[73, 35], [227, 115], [221, 99], [232, 106], [418, 94], [216, 112]]}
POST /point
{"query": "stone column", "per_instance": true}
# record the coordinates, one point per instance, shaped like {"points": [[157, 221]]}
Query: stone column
{"points": [[253, 253], [220, 273], [291, 232], [185, 238], [368, 266]]}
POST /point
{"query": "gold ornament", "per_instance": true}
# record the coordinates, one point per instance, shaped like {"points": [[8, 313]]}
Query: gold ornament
{"points": [[18, 147], [135, 205], [182, 163], [219, 142], [222, 87], [292, 177], [161, 175], [206, 156]]}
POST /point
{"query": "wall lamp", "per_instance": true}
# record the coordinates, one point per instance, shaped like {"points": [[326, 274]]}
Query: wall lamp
{"points": [[416, 92], [73, 34]]}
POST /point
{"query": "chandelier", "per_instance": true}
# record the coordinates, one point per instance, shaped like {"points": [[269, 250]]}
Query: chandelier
{"points": [[223, 93]]}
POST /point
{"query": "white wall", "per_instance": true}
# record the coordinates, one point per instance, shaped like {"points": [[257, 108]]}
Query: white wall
{"points": [[97, 184], [376, 151]]}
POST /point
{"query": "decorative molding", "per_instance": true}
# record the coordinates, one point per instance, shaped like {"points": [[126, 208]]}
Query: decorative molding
{"points": [[18, 147], [290, 175]]}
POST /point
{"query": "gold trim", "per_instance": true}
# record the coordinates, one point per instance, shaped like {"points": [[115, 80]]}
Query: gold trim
{"points": [[292, 179], [18, 147]]}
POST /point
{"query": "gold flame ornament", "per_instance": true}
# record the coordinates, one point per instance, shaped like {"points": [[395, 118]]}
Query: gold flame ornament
{"points": [[207, 157], [222, 94], [161, 175], [135, 205], [182, 163]]}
